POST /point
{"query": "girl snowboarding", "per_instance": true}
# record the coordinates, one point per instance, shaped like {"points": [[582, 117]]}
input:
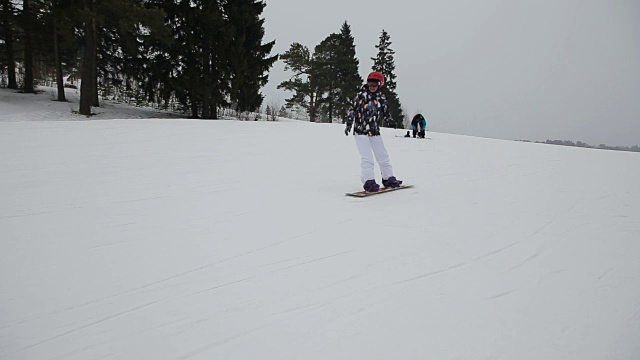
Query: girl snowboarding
{"points": [[369, 107]]}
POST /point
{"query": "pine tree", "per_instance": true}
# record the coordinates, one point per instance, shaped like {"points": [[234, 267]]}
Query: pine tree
{"points": [[8, 20], [28, 20], [175, 67], [57, 15], [216, 55], [55, 40], [347, 74], [325, 65], [88, 71], [335, 59], [112, 36], [210, 20], [250, 58], [384, 63], [323, 83], [304, 81]]}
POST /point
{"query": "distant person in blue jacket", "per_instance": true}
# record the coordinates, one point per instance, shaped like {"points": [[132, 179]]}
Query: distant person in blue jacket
{"points": [[419, 126]]}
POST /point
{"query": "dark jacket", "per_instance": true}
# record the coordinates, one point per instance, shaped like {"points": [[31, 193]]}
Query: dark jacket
{"points": [[368, 112], [419, 122]]}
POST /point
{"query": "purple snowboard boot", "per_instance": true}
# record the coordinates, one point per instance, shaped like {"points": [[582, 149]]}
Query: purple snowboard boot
{"points": [[371, 186], [391, 182]]}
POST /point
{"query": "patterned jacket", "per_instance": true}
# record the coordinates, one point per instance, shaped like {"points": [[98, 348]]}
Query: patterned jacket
{"points": [[368, 112]]}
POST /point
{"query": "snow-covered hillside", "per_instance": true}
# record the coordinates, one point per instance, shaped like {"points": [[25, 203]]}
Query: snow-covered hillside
{"points": [[192, 239]]}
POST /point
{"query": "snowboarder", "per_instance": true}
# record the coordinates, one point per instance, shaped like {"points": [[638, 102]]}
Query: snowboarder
{"points": [[369, 106], [419, 126]]}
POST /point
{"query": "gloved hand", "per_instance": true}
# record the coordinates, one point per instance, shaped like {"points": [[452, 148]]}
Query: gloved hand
{"points": [[347, 130]]}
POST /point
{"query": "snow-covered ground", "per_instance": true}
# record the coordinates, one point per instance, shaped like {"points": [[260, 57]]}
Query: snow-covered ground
{"points": [[15, 106], [193, 239]]}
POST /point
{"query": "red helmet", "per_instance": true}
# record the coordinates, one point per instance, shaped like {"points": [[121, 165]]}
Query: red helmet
{"points": [[376, 76]]}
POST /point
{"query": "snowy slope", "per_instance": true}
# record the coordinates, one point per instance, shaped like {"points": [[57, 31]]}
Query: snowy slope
{"points": [[186, 239]]}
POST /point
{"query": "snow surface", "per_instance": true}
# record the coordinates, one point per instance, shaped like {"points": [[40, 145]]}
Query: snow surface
{"points": [[193, 239]]}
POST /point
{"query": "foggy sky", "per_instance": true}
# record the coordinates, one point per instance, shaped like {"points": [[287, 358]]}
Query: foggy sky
{"points": [[511, 69]]}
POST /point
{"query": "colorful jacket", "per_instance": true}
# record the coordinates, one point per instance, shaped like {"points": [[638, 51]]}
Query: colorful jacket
{"points": [[368, 112]]}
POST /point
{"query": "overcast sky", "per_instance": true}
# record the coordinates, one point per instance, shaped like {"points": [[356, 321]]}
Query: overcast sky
{"points": [[512, 69]]}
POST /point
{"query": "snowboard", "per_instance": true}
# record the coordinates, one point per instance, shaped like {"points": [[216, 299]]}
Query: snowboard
{"points": [[381, 191], [411, 137]]}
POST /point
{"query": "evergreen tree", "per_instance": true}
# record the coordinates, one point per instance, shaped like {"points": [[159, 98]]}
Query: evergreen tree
{"points": [[55, 39], [124, 38], [325, 67], [250, 60], [337, 68], [27, 32], [88, 71], [347, 74], [384, 63], [56, 23], [209, 27], [216, 54], [323, 83], [8, 21], [303, 83], [28, 20], [202, 53], [113, 33], [174, 67]]}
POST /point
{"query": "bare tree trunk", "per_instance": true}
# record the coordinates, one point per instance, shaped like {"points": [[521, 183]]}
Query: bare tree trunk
{"points": [[194, 106], [94, 75], [88, 63], [28, 48], [215, 79], [8, 43], [206, 84], [313, 103], [214, 108], [56, 52], [331, 103]]}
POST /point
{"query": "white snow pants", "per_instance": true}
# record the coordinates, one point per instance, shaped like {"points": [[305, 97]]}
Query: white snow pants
{"points": [[370, 146]]}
